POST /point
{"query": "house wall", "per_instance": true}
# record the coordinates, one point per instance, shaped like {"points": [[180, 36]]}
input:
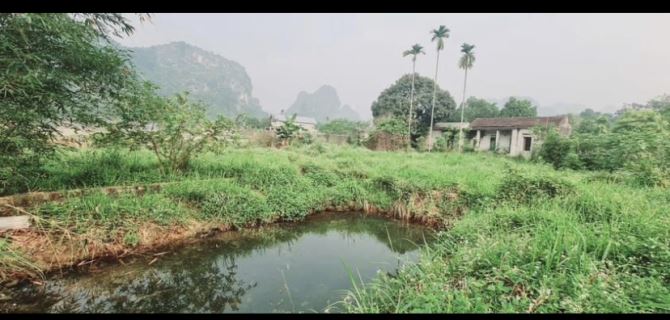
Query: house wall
{"points": [[503, 142], [508, 141], [518, 149], [310, 127], [485, 140], [564, 128], [512, 141], [505, 139]]}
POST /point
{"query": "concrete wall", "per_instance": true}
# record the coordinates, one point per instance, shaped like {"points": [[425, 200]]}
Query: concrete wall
{"points": [[310, 127], [485, 140], [505, 138], [512, 141], [508, 141], [502, 142], [521, 134]]}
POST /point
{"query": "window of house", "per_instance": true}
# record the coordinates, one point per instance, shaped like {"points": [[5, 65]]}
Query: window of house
{"points": [[527, 141]]}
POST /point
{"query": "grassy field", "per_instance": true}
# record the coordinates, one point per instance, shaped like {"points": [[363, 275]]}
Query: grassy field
{"points": [[519, 237]]}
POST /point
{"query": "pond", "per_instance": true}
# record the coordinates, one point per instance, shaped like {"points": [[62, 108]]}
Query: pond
{"points": [[301, 267]]}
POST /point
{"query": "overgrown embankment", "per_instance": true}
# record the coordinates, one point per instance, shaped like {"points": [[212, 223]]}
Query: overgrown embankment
{"points": [[532, 239], [543, 244], [238, 189]]}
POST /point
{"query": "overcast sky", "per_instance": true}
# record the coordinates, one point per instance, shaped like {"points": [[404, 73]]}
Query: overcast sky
{"points": [[599, 61]]}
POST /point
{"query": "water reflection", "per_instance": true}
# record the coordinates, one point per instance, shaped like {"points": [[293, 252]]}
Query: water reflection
{"points": [[289, 268]]}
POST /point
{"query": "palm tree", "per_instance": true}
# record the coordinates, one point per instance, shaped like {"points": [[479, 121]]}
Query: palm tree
{"points": [[438, 34], [416, 50], [465, 63]]}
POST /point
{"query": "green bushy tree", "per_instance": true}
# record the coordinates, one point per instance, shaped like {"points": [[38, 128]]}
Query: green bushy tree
{"points": [[394, 102], [288, 130], [662, 105], [389, 130], [341, 126], [244, 120], [641, 144], [476, 108], [638, 142], [518, 108], [557, 150], [173, 128], [57, 69]]}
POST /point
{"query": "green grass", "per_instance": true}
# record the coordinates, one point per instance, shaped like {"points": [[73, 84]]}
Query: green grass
{"points": [[532, 240], [599, 248]]}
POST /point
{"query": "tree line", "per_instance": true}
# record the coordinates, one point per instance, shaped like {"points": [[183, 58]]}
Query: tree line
{"points": [[64, 70], [632, 143], [423, 102]]}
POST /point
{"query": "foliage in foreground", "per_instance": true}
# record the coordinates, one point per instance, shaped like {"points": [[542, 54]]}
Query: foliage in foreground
{"points": [[174, 129], [636, 143], [601, 248], [57, 69], [532, 240]]}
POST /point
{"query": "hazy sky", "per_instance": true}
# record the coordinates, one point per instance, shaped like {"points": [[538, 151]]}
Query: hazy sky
{"points": [[591, 60]]}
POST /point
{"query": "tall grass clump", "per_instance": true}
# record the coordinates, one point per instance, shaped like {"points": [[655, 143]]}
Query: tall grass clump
{"points": [[223, 200], [107, 216], [12, 261], [522, 237], [525, 188], [99, 167], [549, 244]]}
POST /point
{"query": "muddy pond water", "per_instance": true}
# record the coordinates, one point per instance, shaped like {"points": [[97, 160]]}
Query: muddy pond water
{"points": [[301, 267]]}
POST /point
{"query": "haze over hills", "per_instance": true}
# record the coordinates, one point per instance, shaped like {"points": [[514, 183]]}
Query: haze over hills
{"points": [[222, 84], [560, 108], [322, 105]]}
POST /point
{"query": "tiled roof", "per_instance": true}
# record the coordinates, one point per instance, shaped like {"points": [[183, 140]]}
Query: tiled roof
{"points": [[516, 122], [452, 125], [298, 119]]}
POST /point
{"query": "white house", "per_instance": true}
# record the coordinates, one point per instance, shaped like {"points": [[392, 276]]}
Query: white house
{"points": [[512, 136], [308, 124]]}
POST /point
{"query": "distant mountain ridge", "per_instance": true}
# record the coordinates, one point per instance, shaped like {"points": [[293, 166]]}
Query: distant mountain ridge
{"points": [[222, 84], [322, 105]]}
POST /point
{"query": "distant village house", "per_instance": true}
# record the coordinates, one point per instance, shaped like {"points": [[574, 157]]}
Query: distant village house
{"points": [[512, 136], [306, 123]]}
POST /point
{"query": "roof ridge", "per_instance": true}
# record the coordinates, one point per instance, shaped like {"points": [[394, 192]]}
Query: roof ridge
{"points": [[515, 122]]}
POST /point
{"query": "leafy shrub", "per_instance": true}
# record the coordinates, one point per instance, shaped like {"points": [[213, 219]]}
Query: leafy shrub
{"points": [[394, 187], [555, 149], [306, 138], [639, 143], [291, 204], [350, 190], [648, 172], [422, 144], [441, 144], [319, 175], [288, 130], [527, 188], [237, 205], [389, 134], [174, 129]]}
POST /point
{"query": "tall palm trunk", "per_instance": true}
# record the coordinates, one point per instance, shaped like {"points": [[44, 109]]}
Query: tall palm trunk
{"points": [[460, 135], [432, 109], [411, 101]]}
